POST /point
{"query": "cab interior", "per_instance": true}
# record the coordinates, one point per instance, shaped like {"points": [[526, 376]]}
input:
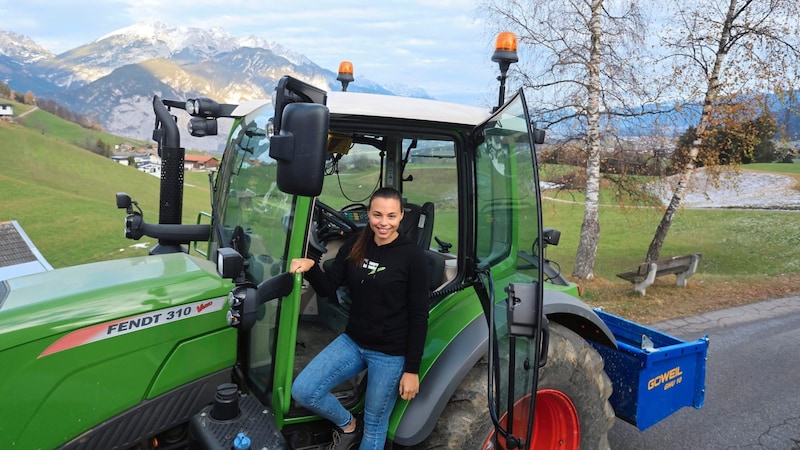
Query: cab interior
{"points": [[424, 169]]}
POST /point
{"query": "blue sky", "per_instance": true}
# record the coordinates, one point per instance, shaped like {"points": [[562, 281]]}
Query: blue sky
{"points": [[441, 46]]}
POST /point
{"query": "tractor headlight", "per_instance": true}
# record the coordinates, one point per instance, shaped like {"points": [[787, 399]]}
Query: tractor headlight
{"points": [[230, 263], [236, 300], [190, 107], [203, 107], [201, 126]]}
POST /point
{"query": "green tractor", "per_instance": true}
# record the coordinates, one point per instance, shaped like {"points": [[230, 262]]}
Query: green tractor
{"points": [[197, 344]]}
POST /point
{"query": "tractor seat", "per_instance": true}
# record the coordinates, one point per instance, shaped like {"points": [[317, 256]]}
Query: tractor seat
{"points": [[417, 223]]}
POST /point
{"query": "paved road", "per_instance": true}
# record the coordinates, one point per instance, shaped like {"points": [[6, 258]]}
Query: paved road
{"points": [[752, 384]]}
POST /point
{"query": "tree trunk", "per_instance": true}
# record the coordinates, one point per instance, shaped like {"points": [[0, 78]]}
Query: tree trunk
{"points": [[590, 229], [654, 251], [712, 92]]}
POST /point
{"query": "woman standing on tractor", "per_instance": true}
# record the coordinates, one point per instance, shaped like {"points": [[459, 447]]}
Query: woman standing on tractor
{"points": [[387, 276]]}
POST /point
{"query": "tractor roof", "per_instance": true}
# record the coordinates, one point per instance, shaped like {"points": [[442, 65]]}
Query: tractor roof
{"points": [[390, 106]]}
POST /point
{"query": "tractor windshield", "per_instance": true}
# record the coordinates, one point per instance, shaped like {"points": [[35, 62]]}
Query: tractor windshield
{"points": [[253, 213]]}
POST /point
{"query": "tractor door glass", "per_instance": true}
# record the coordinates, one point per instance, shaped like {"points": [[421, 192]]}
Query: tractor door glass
{"points": [[508, 226], [255, 220], [506, 189]]}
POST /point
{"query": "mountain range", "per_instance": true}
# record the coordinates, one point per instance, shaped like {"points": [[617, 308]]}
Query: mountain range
{"points": [[113, 78]]}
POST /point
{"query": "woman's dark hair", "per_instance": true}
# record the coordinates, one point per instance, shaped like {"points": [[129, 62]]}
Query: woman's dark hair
{"points": [[359, 250]]}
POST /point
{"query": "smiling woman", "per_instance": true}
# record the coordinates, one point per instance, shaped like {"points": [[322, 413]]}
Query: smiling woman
{"points": [[387, 277]]}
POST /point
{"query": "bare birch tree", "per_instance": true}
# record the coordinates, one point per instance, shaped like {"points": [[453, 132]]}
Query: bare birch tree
{"points": [[727, 49], [577, 70]]}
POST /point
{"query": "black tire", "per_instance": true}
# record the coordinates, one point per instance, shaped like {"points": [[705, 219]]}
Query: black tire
{"points": [[573, 368]]}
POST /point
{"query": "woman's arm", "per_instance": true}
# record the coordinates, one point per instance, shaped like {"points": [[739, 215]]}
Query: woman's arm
{"points": [[417, 301], [323, 283]]}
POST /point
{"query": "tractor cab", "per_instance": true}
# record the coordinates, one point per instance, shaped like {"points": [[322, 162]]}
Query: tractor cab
{"points": [[467, 183]]}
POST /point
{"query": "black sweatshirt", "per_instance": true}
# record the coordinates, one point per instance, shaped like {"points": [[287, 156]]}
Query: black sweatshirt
{"points": [[389, 291]]}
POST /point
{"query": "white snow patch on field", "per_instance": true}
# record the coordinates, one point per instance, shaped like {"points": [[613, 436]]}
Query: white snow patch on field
{"points": [[745, 189]]}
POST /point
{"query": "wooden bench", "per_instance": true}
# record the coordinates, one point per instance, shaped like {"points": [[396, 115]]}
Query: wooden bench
{"points": [[682, 266]]}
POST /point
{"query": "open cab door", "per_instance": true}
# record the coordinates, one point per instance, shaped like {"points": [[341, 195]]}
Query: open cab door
{"points": [[508, 220]]}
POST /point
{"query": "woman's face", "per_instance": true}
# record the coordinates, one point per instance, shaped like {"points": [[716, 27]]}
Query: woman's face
{"points": [[384, 219]]}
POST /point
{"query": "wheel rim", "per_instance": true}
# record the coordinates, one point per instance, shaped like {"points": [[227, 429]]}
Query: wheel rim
{"points": [[556, 424]]}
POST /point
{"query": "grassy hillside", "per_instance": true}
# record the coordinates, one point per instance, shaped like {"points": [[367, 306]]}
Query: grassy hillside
{"points": [[63, 196], [65, 131]]}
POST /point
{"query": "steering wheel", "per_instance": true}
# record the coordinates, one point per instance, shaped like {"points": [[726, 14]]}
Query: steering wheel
{"points": [[354, 206], [331, 223]]}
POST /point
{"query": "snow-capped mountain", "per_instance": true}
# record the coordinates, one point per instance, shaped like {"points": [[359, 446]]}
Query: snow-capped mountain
{"points": [[114, 77], [21, 48], [136, 44], [18, 57]]}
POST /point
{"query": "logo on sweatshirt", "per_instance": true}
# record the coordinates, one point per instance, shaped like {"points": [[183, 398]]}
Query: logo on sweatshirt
{"points": [[372, 266]]}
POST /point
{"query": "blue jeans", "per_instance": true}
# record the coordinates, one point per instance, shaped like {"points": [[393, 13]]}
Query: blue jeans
{"points": [[341, 360]]}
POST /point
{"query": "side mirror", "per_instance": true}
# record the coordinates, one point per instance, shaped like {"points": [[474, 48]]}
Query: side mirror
{"points": [[551, 236], [538, 136], [291, 90], [123, 200], [300, 148]]}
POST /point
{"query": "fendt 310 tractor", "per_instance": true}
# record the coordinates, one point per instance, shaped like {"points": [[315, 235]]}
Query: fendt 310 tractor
{"points": [[197, 344]]}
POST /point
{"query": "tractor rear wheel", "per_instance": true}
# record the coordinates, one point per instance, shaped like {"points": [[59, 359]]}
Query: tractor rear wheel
{"points": [[572, 408]]}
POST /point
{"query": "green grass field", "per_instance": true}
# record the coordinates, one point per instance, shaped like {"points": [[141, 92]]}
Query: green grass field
{"points": [[778, 168], [68, 132], [733, 242], [63, 197]]}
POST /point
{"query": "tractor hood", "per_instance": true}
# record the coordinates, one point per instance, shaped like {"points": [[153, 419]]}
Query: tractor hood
{"points": [[60, 301]]}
